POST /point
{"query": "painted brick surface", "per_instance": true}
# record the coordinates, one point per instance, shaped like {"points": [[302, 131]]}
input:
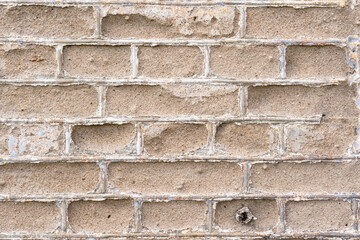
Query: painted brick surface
{"points": [[179, 119]]}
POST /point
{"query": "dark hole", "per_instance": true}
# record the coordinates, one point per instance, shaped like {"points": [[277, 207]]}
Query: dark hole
{"points": [[109, 216], [324, 115], [244, 216], [224, 206], [346, 225]]}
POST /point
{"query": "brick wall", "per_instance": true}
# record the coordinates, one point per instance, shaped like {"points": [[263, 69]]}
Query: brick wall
{"points": [[179, 119]]}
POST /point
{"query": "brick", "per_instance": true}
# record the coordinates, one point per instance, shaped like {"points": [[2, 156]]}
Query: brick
{"points": [[265, 211], [321, 177], [172, 100], [316, 61], [244, 61], [176, 178], [109, 216], [315, 216], [170, 61], [37, 140], [163, 22], [174, 215], [302, 23], [107, 138], [48, 101], [300, 101], [22, 179], [97, 61], [330, 138], [27, 61], [30, 217], [47, 22], [246, 139], [175, 139]]}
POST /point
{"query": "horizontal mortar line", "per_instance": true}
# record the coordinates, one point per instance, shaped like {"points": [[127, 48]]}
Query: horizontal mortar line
{"points": [[186, 235], [167, 81], [181, 3], [169, 197], [186, 119], [149, 159], [185, 42]]}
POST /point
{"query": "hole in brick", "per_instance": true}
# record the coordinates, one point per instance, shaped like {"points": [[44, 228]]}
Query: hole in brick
{"points": [[244, 215], [109, 216]]}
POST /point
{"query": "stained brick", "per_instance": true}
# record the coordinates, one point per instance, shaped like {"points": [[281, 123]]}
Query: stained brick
{"points": [[172, 100]]}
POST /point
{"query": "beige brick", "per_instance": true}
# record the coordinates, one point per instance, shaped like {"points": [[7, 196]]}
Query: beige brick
{"points": [[265, 212], [245, 62], [21, 179], [175, 139], [109, 216], [330, 138], [315, 216], [31, 217], [172, 100], [302, 23], [38, 140], [170, 61], [97, 61], [176, 178], [48, 101], [316, 61], [27, 61], [167, 22], [47, 22], [340, 177], [174, 215], [300, 101], [107, 138], [246, 139]]}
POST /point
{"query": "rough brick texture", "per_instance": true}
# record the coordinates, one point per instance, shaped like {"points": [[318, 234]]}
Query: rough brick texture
{"points": [[150, 119]]}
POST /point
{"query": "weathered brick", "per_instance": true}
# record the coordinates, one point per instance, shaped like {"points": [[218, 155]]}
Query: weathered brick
{"points": [[109, 216], [321, 177], [176, 178], [107, 138], [167, 22], [172, 100], [265, 212], [48, 101], [302, 23], [174, 215], [21, 179], [244, 61], [170, 61], [47, 22], [97, 61], [315, 216], [246, 139], [300, 101], [31, 217], [35, 140], [316, 61], [330, 138], [27, 61], [175, 139]]}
